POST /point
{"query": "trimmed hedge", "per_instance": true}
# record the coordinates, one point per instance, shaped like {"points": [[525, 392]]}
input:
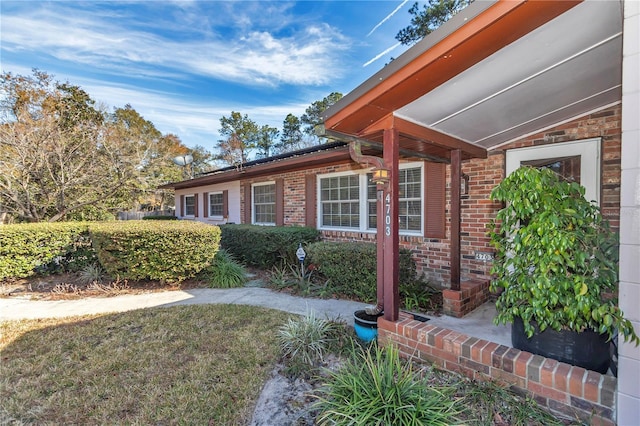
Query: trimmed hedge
{"points": [[168, 250], [266, 246], [44, 248], [352, 267]]}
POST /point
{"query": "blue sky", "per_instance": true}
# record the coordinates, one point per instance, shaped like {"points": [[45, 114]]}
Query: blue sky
{"points": [[185, 64]]}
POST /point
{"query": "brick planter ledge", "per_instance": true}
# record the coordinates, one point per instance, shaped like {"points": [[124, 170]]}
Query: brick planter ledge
{"points": [[566, 390]]}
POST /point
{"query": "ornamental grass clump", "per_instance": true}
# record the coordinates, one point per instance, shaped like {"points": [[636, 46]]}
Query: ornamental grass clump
{"points": [[375, 387], [305, 341], [556, 257], [225, 271]]}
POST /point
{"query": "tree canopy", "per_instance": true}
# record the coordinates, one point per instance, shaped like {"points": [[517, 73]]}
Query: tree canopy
{"points": [[243, 137], [313, 114], [291, 136], [240, 136], [428, 18], [64, 157]]}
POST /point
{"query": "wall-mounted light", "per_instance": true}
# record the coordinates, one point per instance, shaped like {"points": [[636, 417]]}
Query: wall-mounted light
{"points": [[380, 176], [464, 184]]}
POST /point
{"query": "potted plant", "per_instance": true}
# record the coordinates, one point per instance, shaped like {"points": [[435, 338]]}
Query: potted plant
{"points": [[556, 267]]}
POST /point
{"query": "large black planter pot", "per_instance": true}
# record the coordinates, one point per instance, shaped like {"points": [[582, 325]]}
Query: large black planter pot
{"points": [[586, 349]]}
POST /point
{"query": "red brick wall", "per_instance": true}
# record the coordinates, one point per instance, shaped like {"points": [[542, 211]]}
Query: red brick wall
{"points": [[567, 390], [432, 255], [484, 175]]}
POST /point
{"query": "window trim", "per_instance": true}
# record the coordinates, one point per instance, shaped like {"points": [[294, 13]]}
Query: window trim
{"points": [[209, 205], [364, 201], [587, 149], [253, 203], [184, 206]]}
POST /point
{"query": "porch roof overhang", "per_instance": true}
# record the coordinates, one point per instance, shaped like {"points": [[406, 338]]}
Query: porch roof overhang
{"points": [[495, 72]]}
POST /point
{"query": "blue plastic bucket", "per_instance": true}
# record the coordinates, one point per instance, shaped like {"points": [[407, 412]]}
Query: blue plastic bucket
{"points": [[365, 325]]}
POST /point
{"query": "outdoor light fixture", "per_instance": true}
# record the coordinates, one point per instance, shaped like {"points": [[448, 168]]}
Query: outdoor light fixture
{"points": [[464, 184], [380, 176]]}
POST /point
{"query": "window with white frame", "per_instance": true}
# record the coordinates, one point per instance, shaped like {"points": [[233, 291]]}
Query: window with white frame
{"points": [[340, 201], [216, 205], [348, 200], [189, 205], [577, 161], [264, 204]]}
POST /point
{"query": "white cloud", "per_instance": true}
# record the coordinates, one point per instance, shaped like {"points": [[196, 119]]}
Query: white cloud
{"points": [[308, 56]]}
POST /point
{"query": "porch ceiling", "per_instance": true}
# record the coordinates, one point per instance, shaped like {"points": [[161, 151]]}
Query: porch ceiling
{"points": [[494, 73]]}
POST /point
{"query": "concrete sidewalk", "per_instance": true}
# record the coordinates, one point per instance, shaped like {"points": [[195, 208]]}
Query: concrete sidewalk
{"points": [[479, 323], [15, 308]]}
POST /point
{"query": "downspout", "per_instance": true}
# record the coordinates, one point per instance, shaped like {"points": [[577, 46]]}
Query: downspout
{"points": [[355, 151]]}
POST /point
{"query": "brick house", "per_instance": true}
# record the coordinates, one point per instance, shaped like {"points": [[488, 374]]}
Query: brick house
{"points": [[501, 84]]}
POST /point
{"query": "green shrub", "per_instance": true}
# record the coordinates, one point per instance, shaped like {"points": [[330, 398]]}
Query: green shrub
{"points": [[44, 248], [375, 387], [225, 271], [351, 268], [556, 257], [266, 246], [168, 251]]}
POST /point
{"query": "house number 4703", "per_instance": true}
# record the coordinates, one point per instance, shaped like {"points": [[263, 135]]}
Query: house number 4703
{"points": [[387, 214]]}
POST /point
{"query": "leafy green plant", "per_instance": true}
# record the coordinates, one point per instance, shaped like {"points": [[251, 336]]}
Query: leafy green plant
{"points": [[92, 273], [556, 257], [375, 387], [279, 277], [305, 341], [351, 268], [419, 295], [225, 271]]}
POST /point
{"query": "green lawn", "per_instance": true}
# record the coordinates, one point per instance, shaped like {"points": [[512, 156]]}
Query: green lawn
{"points": [[201, 365], [180, 365]]}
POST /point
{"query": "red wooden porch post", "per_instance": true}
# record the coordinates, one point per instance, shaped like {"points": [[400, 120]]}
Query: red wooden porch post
{"points": [[380, 193], [456, 174], [390, 238]]}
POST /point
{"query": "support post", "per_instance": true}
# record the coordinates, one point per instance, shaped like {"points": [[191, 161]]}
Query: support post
{"points": [[380, 192], [389, 231], [456, 174]]}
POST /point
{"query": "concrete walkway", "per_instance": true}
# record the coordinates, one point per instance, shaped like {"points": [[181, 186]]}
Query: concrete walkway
{"points": [[15, 308], [479, 323]]}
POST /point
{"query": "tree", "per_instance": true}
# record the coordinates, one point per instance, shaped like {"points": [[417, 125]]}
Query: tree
{"points": [[432, 15], [313, 114], [62, 157], [52, 150], [266, 141], [241, 135], [202, 159], [291, 136]]}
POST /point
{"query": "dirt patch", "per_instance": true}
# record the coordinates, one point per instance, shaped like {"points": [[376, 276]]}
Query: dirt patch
{"points": [[70, 286], [289, 401]]}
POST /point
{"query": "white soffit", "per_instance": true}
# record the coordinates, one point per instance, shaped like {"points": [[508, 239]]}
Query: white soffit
{"points": [[567, 67]]}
